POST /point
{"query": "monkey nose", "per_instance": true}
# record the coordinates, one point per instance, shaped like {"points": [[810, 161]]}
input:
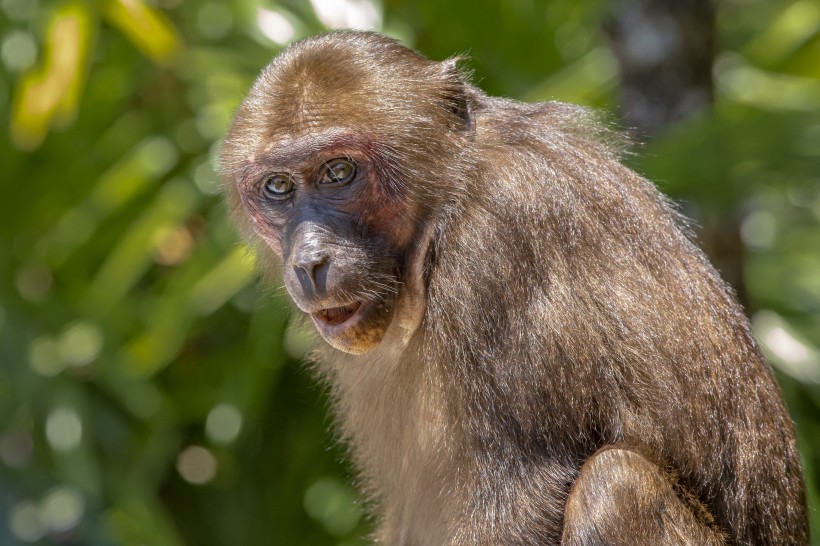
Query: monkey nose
{"points": [[311, 270]]}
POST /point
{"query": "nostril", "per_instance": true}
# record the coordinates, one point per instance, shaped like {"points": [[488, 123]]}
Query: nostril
{"points": [[314, 269], [320, 270]]}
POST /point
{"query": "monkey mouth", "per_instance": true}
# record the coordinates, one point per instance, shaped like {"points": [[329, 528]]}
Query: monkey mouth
{"points": [[335, 316], [357, 327]]}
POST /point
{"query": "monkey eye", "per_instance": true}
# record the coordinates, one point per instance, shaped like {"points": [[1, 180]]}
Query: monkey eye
{"points": [[338, 172], [278, 186]]}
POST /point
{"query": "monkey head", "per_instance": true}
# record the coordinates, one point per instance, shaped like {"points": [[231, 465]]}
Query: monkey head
{"points": [[337, 163]]}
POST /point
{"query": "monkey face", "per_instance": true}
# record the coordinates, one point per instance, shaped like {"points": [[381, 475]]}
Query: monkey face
{"points": [[341, 168], [340, 238]]}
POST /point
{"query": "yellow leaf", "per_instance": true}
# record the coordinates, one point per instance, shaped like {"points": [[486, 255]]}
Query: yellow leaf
{"points": [[147, 28], [50, 94]]}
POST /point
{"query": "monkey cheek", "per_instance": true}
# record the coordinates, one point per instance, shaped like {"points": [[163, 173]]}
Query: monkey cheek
{"points": [[410, 308]]}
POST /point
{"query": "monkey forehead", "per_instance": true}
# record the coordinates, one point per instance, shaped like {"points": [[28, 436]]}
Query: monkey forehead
{"points": [[288, 125], [274, 137], [295, 109], [291, 125], [293, 151]]}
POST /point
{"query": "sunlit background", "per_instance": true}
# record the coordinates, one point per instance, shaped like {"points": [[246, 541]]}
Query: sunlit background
{"points": [[150, 390]]}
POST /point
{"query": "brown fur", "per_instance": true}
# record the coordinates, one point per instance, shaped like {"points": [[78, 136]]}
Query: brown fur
{"points": [[562, 364]]}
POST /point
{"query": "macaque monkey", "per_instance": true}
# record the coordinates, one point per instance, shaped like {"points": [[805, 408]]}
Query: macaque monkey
{"points": [[523, 344]]}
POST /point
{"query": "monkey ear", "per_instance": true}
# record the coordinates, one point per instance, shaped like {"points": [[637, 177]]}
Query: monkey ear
{"points": [[455, 92]]}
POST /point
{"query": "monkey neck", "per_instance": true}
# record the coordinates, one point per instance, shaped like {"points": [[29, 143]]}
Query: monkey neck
{"points": [[390, 409]]}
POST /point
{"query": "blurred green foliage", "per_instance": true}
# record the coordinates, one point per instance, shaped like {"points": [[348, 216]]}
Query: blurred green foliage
{"points": [[150, 390]]}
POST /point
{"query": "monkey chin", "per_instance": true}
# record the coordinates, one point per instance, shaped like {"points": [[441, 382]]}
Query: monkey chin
{"points": [[356, 328]]}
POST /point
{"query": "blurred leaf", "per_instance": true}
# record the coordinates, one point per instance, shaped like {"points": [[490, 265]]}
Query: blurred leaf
{"points": [[791, 28], [51, 93], [147, 27]]}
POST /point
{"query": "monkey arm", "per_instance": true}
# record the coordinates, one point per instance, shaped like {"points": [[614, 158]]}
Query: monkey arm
{"points": [[622, 498]]}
